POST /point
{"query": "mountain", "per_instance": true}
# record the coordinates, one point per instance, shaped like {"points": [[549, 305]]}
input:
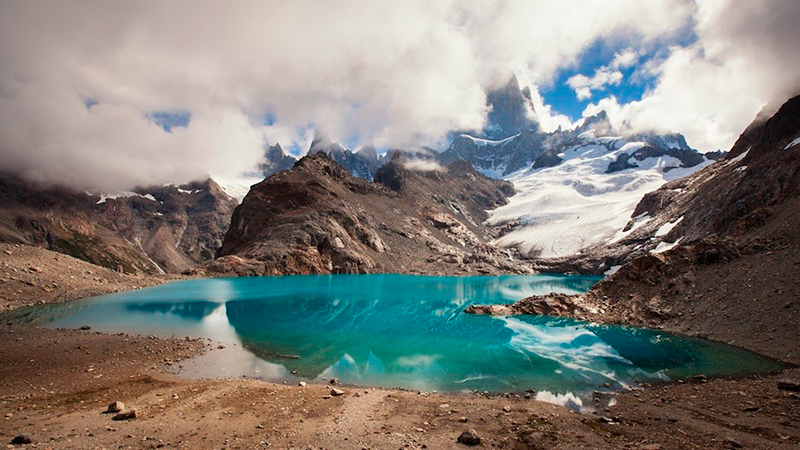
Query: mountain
{"points": [[584, 200], [532, 148], [510, 109], [713, 254], [318, 218], [734, 197], [149, 230], [361, 164], [275, 160]]}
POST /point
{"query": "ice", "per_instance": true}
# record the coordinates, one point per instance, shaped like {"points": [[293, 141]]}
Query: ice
{"points": [[566, 209]]}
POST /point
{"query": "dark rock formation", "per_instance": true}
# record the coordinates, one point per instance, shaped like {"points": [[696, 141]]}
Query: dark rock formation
{"points": [[318, 218], [361, 164], [275, 160], [509, 110], [688, 158]]}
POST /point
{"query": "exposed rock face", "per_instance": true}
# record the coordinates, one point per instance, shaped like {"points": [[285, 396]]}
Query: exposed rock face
{"points": [[158, 229], [275, 160], [510, 109], [687, 158], [733, 276], [361, 164], [318, 218]]}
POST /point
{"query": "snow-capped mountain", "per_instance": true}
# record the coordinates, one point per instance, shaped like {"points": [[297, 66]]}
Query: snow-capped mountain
{"points": [[587, 198]]}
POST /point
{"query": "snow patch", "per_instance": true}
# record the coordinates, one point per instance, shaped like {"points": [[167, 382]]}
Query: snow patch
{"points": [[665, 246], [663, 230], [122, 194], [638, 221], [792, 144], [239, 187], [740, 157], [488, 143], [612, 270]]}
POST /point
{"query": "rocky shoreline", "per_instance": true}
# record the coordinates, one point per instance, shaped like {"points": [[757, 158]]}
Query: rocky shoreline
{"points": [[56, 384]]}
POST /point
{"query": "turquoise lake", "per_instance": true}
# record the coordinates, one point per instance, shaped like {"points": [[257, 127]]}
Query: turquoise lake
{"points": [[401, 331]]}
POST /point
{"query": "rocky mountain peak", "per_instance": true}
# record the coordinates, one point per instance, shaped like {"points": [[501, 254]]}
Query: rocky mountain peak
{"points": [[275, 160], [600, 123], [766, 135], [510, 108]]}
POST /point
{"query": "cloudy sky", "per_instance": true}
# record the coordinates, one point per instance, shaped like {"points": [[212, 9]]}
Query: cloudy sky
{"points": [[109, 95]]}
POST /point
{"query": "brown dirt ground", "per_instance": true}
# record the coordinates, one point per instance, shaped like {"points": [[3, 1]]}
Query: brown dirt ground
{"points": [[55, 384]]}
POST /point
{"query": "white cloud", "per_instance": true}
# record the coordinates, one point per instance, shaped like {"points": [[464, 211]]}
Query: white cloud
{"points": [[390, 73], [745, 56], [604, 76], [423, 165], [625, 58]]}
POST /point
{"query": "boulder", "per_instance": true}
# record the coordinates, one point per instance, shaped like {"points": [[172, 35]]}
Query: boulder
{"points": [[21, 439], [115, 407], [789, 385], [336, 392], [127, 415], [469, 437]]}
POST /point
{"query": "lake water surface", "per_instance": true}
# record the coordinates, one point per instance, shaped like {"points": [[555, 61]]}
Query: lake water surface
{"points": [[401, 331]]}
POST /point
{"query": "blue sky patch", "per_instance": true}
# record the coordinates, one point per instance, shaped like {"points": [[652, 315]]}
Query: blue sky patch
{"points": [[169, 120], [635, 82]]}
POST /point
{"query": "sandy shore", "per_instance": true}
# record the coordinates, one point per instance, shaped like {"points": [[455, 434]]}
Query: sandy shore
{"points": [[55, 384]]}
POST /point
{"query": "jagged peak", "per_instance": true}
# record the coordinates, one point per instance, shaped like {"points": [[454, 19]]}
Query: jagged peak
{"points": [[511, 108], [323, 143]]}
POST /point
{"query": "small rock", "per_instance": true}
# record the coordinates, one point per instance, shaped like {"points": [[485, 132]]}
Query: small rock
{"points": [[605, 419], [302, 383], [334, 381], [115, 407], [731, 442], [469, 437], [127, 415], [85, 328], [22, 438], [463, 419], [506, 408], [789, 385], [220, 347], [336, 392]]}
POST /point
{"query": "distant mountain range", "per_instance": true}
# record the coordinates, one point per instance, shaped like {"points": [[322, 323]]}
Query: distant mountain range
{"points": [[157, 229], [511, 141], [576, 188]]}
